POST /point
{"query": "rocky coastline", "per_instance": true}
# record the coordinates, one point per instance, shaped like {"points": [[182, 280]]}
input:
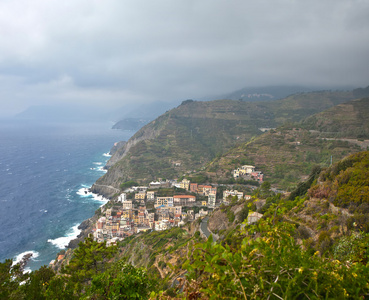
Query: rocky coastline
{"points": [[86, 228]]}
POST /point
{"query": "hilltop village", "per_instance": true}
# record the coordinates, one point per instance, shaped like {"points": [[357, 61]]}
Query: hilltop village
{"points": [[144, 208]]}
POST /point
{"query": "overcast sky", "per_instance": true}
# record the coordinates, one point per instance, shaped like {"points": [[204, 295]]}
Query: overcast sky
{"points": [[109, 52]]}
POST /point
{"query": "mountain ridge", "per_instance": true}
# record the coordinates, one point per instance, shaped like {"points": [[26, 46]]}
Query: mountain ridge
{"points": [[189, 136]]}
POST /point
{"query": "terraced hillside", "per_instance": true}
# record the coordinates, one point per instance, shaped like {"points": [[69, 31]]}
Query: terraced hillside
{"points": [[188, 137], [347, 120], [287, 154]]}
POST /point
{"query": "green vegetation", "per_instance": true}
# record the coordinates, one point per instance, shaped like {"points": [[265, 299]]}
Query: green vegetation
{"points": [[348, 120], [347, 182], [128, 184], [271, 265], [89, 275], [303, 187], [284, 163]]}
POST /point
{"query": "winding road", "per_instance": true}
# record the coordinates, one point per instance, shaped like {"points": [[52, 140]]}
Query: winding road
{"points": [[204, 229]]}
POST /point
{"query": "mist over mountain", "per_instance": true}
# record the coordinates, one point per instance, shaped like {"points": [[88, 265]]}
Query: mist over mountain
{"points": [[267, 93], [137, 115]]}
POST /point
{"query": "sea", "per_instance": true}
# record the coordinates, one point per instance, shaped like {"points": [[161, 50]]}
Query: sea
{"points": [[45, 172]]}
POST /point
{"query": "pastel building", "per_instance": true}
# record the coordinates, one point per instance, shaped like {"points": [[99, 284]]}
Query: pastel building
{"points": [[244, 170]]}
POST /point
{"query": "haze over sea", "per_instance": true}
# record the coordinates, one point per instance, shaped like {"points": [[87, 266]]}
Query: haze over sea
{"points": [[44, 169]]}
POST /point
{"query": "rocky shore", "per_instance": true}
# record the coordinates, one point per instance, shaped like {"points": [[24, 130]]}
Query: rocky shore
{"points": [[86, 228]]}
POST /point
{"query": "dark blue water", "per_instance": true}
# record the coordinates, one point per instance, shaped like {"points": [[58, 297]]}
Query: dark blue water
{"points": [[43, 169]]}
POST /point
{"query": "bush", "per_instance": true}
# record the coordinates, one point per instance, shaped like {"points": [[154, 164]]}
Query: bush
{"points": [[271, 266], [230, 216], [352, 248], [243, 214], [302, 232], [324, 242], [128, 184]]}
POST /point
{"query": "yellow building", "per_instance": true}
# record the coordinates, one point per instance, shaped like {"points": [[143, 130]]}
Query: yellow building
{"points": [[185, 184], [140, 196]]}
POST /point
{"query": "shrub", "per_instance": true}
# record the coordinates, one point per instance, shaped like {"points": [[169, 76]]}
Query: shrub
{"points": [[270, 266]]}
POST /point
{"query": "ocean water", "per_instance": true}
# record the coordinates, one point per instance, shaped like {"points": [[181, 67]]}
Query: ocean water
{"points": [[44, 171]]}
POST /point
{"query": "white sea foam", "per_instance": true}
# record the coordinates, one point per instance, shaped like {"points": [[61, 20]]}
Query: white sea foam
{"points": [[86, 193], [98, 163], [19, 257], [107, 154], [101, 169], [63, 242]]}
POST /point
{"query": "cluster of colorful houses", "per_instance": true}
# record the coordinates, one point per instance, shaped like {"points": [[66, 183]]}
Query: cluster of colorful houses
{"points": [[131, 216], [248, 172]]}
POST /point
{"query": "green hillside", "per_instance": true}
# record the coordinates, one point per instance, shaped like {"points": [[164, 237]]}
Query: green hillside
{"points": [[348, 120], [188, 137], [287, 154], [346, 184]]}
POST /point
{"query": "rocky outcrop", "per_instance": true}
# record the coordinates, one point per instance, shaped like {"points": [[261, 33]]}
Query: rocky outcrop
{"points": [[144, 133], [107, 191], [218, 221], [86, 228]]}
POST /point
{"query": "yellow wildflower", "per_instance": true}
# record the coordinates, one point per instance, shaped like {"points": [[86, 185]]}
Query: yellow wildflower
{"points": [[253, 251]]}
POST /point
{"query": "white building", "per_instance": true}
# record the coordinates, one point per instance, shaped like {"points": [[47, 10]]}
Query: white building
{"points": [[211, 200], [150, 196], [232, 193], [122, 197], [244, 170]]}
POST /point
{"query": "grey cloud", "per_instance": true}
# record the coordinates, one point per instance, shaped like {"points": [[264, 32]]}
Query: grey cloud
{"points": [[112, 51]]}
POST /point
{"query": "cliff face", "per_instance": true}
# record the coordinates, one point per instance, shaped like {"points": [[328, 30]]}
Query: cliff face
{"points": [[143, 134]]}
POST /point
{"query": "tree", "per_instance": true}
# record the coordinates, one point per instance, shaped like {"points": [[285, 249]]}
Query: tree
{"points": [[11, 278], [8, 281], [243, 214], [265, 186], [37, 284], [121, 281], [89, 259]]}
